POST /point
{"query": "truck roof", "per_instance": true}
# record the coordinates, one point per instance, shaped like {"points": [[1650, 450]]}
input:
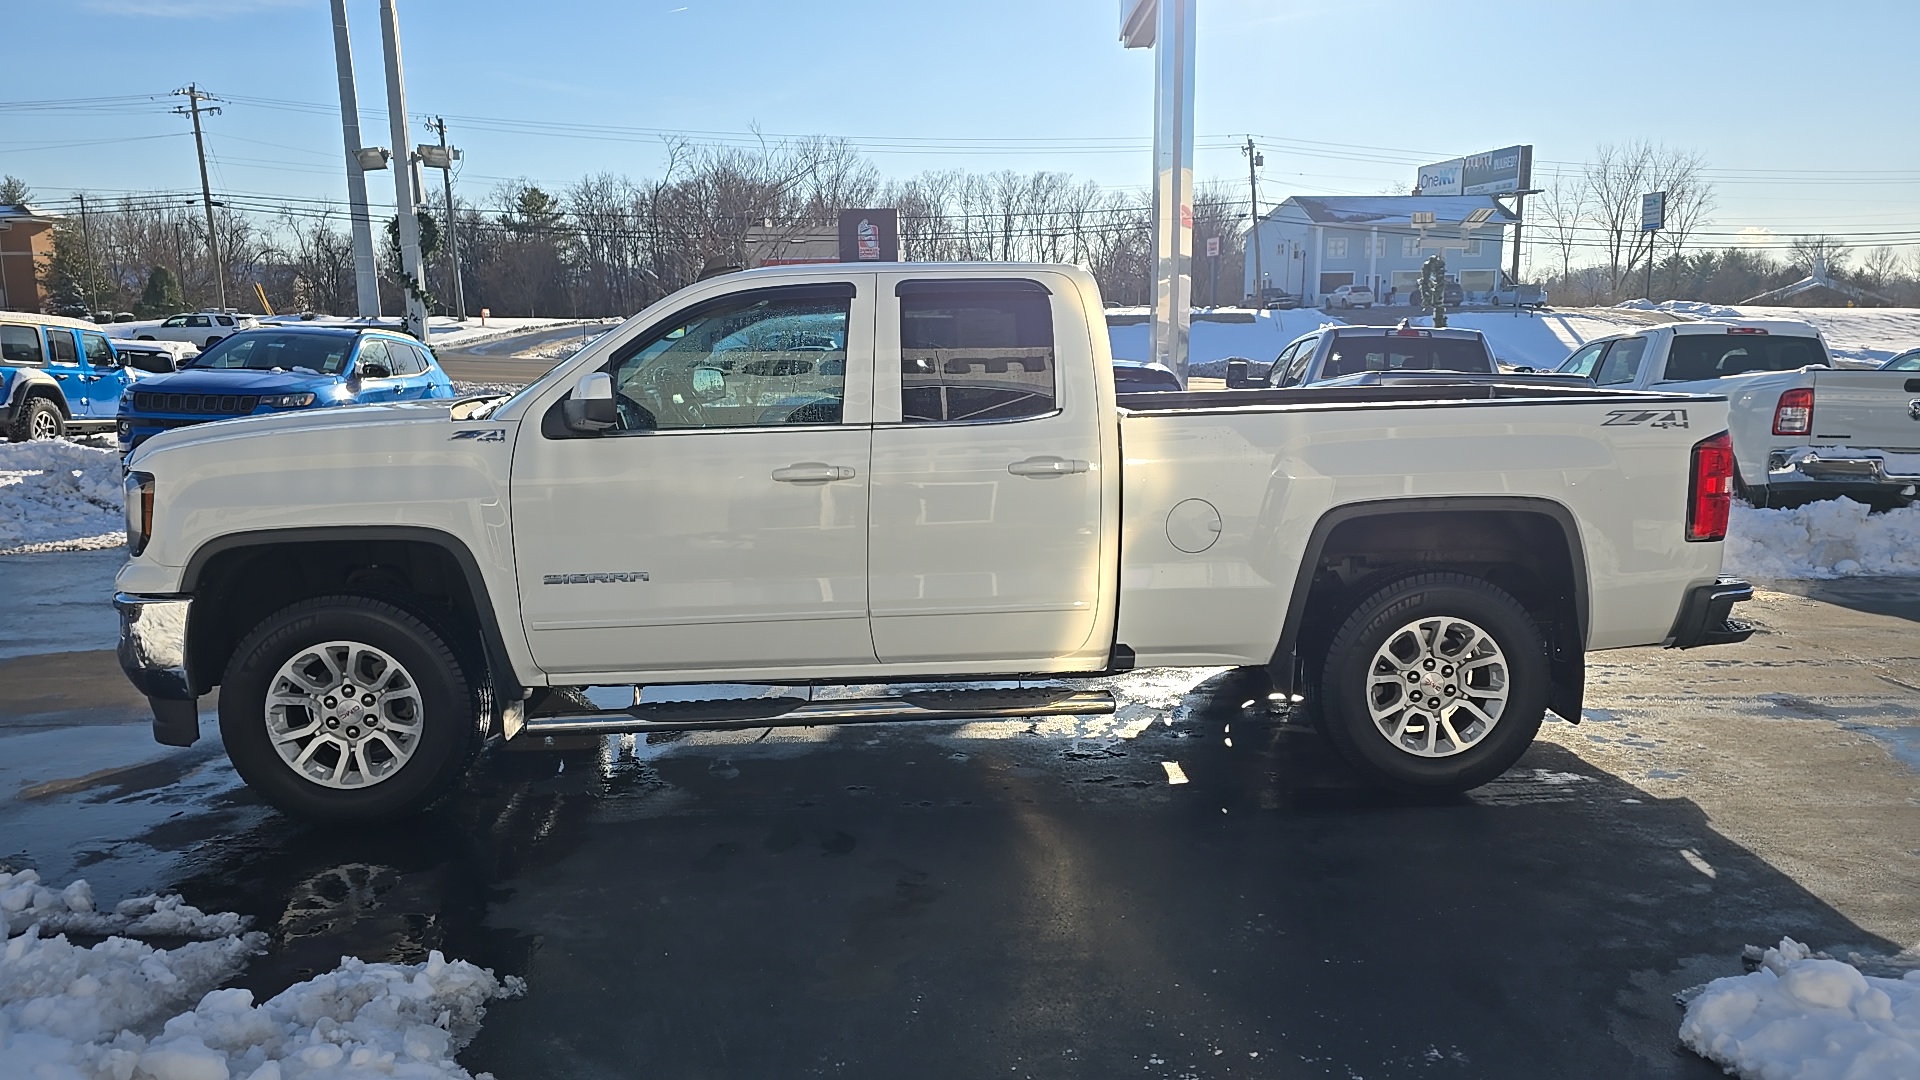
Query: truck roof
{"points": [[1720, 326]]}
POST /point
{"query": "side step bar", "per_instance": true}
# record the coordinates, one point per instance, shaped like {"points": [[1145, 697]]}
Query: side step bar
{"points": [[799, 712]]}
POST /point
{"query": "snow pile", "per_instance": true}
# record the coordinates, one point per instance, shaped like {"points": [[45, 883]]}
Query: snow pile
{"points": [[59, 495], [112, 1010], [25, 902], [1806, 1017], [1830, 539]]}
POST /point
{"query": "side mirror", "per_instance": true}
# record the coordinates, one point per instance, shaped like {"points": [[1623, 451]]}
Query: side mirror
{"points": [[1237, 373], [709, 384], [375, 371], [591, 407]]}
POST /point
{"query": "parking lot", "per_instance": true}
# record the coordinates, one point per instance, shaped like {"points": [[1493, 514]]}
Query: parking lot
{"points": [[1016, 898]]}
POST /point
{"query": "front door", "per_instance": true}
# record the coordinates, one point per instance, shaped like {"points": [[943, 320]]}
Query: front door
{"points": [[722, 522], [105, 379], [987, 474]]}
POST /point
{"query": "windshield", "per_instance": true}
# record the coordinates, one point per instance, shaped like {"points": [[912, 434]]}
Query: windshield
{"points": [[264, 350], [1713, 356], [1353, 355]]}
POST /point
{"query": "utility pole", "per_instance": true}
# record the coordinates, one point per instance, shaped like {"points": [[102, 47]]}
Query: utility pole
{"points": [[86, 241], [1254, 160], [405, 190], [366, 272], [446, 160], [194, 97]]}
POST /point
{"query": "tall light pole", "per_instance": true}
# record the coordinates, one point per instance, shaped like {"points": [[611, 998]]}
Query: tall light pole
{"points": [[1168, 26], [366, 272], [405, 200], [442, 157]]}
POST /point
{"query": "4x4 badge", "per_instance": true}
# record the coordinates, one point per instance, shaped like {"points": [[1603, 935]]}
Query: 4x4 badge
{"points": [[1660, 418]]}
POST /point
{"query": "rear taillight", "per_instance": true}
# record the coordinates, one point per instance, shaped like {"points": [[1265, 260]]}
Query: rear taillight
{"points": [[1710, 494], [1794, 414]]}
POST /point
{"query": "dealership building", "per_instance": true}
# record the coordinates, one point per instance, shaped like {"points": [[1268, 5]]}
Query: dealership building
{"points": [[1312, 245]]}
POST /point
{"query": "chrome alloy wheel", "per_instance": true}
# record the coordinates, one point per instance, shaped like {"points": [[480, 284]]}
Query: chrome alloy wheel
{"points": [[344, 715], [46, 425], [1437, 687]]}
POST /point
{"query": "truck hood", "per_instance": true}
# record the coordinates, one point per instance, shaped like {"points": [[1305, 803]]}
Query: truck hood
{"points": [[438, 412], [240, 381]]}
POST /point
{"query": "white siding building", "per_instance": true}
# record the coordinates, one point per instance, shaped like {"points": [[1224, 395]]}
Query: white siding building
{"points": [[1310, 246]]}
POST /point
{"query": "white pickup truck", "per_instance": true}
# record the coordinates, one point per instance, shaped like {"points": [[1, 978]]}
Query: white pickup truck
{"points": [[1802, 429], [916, 478]]}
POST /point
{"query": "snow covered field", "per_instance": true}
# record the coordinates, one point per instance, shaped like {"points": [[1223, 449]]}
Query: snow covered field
{"points": [[1807, 1017], [121, 1009], [59, 496]]}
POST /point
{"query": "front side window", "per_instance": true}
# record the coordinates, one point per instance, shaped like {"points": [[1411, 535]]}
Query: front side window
{"points": [[766, 358], [20, 345], [1582, 361], [1622, 362], [975, 350], [1904, 362], [99, 353], [60, 346], [264, 350], [374, 363], [176, 320], [1276, 375]]}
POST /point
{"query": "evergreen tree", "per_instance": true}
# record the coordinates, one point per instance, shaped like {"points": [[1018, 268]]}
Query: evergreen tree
{"points": [[1433, 287], [14, 191], [161, 296], [73, 278]]}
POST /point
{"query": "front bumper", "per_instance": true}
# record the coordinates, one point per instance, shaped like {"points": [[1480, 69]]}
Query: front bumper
{"points": [[1705, 617], [153, 653]]}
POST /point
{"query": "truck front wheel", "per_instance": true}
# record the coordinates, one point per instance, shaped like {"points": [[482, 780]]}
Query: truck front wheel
{"points": [[1435, 683], [346, 708]]}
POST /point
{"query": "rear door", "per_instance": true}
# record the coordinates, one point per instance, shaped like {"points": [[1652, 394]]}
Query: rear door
{"points": [[986, 531], [63, 363]]}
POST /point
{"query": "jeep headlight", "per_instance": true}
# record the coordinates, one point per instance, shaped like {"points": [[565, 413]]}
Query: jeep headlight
{"points": [[139, 499], [287, 401]]}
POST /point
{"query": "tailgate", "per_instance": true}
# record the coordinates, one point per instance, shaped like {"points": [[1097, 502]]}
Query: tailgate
{"points": [[1877, 410]]}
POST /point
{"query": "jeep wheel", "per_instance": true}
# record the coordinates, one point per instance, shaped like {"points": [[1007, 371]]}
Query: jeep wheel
{"points": [[346, 708], [39, 420], [1435, 683]]}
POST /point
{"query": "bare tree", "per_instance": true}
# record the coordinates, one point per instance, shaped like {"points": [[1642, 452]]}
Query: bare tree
{"points": [[1562, 210], [1809, 252], [1616, 180]]}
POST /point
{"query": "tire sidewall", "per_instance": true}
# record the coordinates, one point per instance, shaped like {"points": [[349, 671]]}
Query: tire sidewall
{"points": [[446, 700], [1345, 718], [22, 430]]}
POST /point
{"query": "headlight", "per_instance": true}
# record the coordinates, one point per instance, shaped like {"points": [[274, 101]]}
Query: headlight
{"points": [[287, 401], [139, 497]]}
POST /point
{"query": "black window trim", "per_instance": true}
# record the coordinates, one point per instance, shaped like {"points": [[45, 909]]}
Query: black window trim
{"points": [[39, 345]]}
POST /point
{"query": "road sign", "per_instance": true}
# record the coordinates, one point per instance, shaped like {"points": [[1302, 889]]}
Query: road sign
{"points": [[1213, 247], [1653, 211]]}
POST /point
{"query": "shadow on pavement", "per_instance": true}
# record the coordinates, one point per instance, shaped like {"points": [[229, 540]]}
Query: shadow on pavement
{"points": [[1897, 598], [981, 900]]}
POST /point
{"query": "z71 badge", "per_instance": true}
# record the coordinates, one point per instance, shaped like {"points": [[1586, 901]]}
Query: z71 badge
{"points": [[1660, 418]]}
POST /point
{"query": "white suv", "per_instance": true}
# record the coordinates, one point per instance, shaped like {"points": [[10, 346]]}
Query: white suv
{"points": [[1350, 296], [201, 328]]}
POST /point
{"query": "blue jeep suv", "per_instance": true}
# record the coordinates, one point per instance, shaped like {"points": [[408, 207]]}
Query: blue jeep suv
{"points": [[275, 369]]}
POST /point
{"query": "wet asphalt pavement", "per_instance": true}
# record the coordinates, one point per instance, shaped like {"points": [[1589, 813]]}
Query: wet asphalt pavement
{"points": [[1016, 899]]}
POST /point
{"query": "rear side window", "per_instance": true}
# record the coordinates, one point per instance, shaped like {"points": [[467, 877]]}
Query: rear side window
{"points": [[1353, 355], [1622, 363], [21, 345], [60, 346], [224, 320], [198, 320], [1710, 356], [975, 350]]}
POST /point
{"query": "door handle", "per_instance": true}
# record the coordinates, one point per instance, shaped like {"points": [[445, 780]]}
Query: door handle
{"points": [[813, 472], [1045, 466]]}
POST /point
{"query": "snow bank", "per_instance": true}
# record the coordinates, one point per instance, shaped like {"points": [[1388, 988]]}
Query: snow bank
{"points": [[113, 1010], [59, 496], [1806, 1017], [1835, 538]]}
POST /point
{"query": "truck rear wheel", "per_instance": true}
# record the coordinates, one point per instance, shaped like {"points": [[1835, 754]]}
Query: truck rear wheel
{"points": [[39, 420], [346, 708], [1434, 683]]}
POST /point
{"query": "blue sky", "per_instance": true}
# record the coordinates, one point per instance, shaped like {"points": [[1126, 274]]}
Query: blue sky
{"points": [[1804, 113]]}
